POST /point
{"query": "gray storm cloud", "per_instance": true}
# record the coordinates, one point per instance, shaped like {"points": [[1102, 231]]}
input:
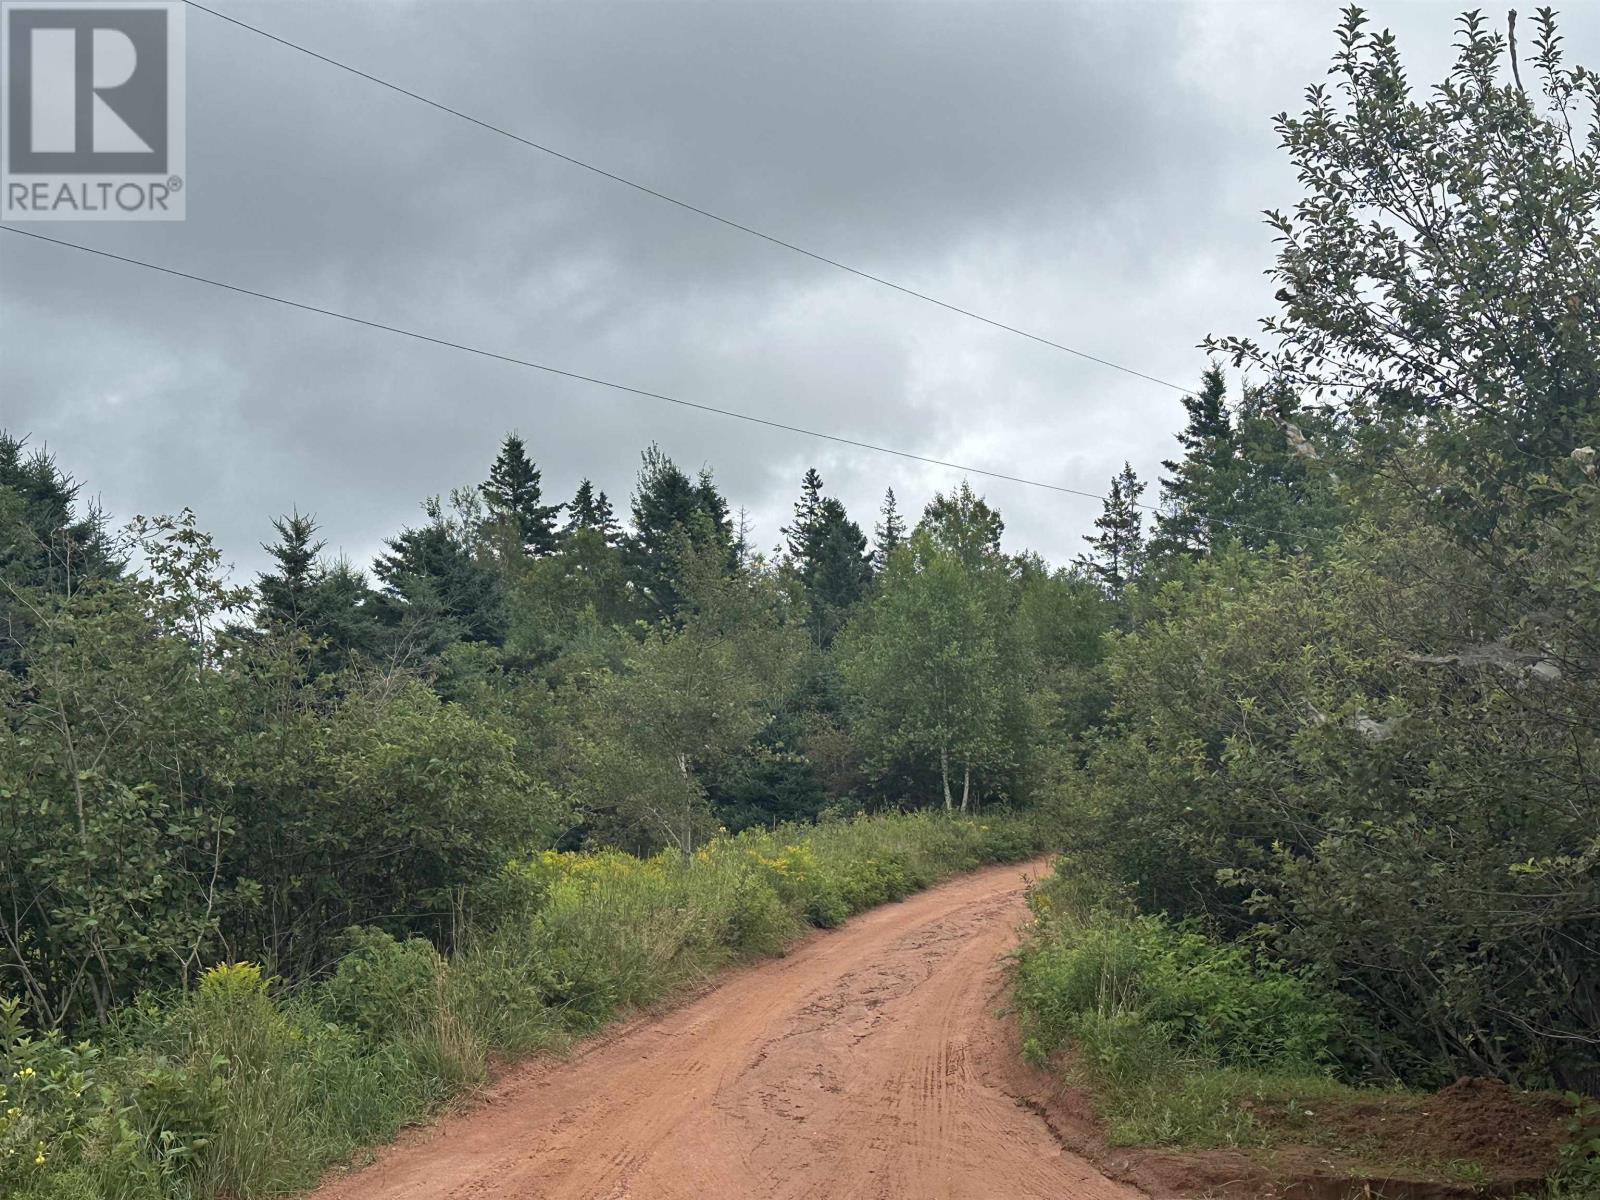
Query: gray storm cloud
{"points": [[1092, 172]]}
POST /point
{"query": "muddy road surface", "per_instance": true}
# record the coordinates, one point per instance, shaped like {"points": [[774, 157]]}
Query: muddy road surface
{"points": [[868, 1064]]}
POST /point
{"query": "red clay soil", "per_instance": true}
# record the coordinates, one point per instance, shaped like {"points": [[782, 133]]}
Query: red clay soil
{"points": [[868, 1064], [1386, 1147], [871, 1063]]}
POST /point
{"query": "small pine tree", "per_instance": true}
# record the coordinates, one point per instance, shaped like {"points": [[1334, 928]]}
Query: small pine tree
{"points": [[1118, 549], [590, 509], [1198, 490], [890, 533], [798, 535], [513, 493], [286, 593]]}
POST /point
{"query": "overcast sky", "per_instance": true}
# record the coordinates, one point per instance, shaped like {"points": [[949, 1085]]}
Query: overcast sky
{"points": [[1092, 172]]}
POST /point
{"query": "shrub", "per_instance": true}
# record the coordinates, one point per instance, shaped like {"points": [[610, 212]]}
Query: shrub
{"points": [[49, 1097], [758, 921], [243, 1059], [380, 982], [1179, 1035], [871, 882], [502, 984], [1093, 981], [1381, 767], [804, 886]]}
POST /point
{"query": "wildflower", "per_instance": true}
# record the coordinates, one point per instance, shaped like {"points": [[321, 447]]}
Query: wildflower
{"points": [[38, 1160]]}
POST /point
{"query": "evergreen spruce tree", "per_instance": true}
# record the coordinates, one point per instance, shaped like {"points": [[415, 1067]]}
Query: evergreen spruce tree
{"points": [[513, 494], [829, 553], [890, 533], [46, 543], [797, 536], [341, 615], [1118, 549], [836, 569], [1249, 474], [286, 593], [329, 603], [1285, 492], [590, 509], [715, 507], [435, 590], [1198, 491], [672, 515]]}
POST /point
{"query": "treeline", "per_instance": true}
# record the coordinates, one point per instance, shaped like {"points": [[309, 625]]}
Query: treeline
{"points": [[193, 771]]}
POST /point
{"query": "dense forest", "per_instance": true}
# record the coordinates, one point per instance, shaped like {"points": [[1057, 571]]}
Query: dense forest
{"points": [[1327, 686], [251, 770]]}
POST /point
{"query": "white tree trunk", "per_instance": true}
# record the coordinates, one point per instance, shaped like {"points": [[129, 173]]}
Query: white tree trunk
{"points": [[688, 809], [966, 786], [944, 775]]}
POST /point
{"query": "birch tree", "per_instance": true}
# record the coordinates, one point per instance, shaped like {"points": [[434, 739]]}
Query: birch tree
{"points": [[931, 669]]}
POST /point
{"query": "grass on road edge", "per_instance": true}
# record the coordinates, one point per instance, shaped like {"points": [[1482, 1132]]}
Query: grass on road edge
{"points": [[1183, 1041], [246, 1088]]}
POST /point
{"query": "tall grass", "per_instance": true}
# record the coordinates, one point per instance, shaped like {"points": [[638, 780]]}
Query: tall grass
{"points": [[247, 1088], [1181, 1038]]}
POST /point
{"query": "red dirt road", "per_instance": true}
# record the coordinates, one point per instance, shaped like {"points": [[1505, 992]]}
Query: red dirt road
{"points": [[868, 1064]]}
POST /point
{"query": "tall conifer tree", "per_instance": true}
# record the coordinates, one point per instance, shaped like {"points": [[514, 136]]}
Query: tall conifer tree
{"points": [[286, 593], [46, 541], [1198, 490], [591, 509], [890, 533], [836, 569], [797, 535], [672, 515], [1118, 549], [435, 590], [514, 496]]}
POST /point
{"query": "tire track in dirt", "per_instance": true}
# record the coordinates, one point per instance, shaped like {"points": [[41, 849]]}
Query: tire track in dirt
{"points": [[868, 1064]]}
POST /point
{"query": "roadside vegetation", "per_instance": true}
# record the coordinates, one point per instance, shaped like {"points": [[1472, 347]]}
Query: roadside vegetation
{"points": [[247, 1085], [1173, 1027], [1175, 1040], [1342, 802]]}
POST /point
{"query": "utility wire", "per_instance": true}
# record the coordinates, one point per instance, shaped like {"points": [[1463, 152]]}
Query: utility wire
{"points": [[684, 204], [605, 383]]}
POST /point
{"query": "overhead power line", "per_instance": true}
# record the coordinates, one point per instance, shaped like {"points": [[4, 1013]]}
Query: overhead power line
{"points": [[683, 204], [481, 352]]}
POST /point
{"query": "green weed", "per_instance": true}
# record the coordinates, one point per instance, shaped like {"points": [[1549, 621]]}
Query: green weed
{"points": [[247, 1088]]}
